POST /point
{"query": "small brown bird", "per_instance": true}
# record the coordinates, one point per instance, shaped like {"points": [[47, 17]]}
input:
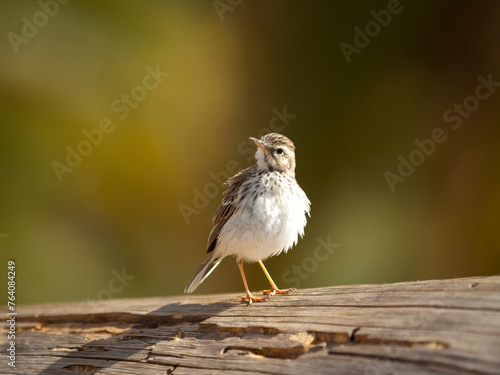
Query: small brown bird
{"points": [[262, 214]]}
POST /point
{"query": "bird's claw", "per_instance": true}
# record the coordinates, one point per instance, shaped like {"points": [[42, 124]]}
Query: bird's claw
{"points": [[251, 298], [273, 291]]}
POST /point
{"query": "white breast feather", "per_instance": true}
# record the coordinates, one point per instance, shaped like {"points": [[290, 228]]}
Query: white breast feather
{"points": [[269, 224]]}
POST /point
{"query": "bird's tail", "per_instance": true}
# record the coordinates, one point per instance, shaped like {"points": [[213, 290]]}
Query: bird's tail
{"points": [[205, 270]]}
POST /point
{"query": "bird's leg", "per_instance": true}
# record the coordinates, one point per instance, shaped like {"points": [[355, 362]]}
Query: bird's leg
{"points": [[274, 289], [249, 297]]}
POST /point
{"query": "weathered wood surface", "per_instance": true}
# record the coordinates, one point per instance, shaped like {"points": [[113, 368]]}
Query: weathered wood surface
{"points": [[426, 327]]}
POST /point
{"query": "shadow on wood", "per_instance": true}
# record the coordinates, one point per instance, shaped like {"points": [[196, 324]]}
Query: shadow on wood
{"points": [[425, 327]]}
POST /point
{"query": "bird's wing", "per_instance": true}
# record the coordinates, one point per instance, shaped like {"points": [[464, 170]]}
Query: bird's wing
{"points": [[227, 207]]}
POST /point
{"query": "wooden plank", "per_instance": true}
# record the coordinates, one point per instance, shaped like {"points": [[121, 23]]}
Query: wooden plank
{"points": [[424, 327]]}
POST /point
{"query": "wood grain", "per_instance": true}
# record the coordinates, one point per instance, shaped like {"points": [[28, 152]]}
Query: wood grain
{"points": [[424, 327]]}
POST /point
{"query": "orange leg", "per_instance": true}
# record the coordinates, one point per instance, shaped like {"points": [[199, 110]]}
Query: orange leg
{"points": [[274, 289], [249, 297]]}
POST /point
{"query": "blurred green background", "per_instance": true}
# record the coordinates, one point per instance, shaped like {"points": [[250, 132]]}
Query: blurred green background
{"points": [[231, 69]]}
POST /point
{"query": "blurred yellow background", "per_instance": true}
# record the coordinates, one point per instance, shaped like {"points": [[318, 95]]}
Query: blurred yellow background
{"points": [[120, 118]]}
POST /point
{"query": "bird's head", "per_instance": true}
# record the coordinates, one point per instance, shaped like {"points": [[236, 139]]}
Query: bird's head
{"points": [[275, 152]]}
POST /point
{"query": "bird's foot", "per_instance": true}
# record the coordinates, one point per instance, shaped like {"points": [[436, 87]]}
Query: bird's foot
{"points": [[273, 291], [250, 298]]}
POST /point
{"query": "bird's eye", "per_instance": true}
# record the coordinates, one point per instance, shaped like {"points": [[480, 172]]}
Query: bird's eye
{"points": [[279, 151]]}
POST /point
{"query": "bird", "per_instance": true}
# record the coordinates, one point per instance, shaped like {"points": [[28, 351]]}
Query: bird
{"points": [[262, 214]]}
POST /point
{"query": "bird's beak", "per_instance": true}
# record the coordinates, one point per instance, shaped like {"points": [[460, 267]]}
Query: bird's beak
{"points": [[259, 144]]}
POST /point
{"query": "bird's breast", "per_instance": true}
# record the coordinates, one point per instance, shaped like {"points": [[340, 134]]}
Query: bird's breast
{"points": [[270, 215]]}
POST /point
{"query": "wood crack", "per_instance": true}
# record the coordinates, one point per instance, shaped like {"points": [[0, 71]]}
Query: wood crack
{"points": [[112, 318], [366, 339]]}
